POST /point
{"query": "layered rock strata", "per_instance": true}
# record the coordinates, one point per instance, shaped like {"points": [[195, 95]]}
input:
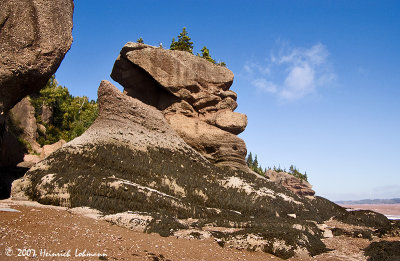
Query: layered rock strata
{"points": [[192, 93], [132, 161]]}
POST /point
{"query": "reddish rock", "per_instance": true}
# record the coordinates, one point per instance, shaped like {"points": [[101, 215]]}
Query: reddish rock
{"points": [[298, 186], [183, 85]]}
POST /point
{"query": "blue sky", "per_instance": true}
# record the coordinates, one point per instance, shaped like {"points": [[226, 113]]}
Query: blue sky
{"points": [[318, 80]]}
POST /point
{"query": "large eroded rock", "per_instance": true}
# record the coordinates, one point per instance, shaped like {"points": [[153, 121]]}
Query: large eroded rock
{"points": [[298, 186], [23, 118], [131, 161], [34, 37], [184, 85]]}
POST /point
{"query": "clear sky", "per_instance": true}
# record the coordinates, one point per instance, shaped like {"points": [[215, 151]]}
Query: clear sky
{"points": [[318, 80]]}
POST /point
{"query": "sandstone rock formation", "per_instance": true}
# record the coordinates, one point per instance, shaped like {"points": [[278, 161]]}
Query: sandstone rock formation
{"points": [[48, 149], [23, 117], [132, 161], [298, 186], [34, 37], [193, 94]]}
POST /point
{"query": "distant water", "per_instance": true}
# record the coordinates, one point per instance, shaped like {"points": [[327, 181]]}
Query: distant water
{"points": [[393, 217], [9, 210]]}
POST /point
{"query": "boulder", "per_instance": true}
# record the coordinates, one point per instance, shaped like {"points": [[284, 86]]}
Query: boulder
{"points": [[298, 186], [29, 161], [23, 118], [227, 120], [34, 37], [131, 161], [189, 77], [185, 86]]}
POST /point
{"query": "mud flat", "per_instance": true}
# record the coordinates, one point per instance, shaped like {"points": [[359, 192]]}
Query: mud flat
{"points": [[391, 211]]}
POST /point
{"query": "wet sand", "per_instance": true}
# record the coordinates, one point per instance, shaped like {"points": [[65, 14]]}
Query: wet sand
{"points": [[385, 209]]}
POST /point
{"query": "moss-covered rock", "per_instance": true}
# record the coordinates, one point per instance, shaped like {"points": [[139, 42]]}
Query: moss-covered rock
{"points": [[130, 160]]}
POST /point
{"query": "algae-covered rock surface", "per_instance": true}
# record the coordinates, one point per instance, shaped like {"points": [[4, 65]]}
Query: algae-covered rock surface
{"points": [[131, 160]]}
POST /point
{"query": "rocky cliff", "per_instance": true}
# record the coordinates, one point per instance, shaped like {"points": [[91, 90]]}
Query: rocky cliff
{"points": [[132, 161], [192, 93], [34, 37]]}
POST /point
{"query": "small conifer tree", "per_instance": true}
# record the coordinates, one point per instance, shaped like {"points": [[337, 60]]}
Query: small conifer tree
{"points": [[183, 43]]}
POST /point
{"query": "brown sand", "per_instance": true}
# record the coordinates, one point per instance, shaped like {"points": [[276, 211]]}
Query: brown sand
{"points": [[55, 230], [49, 229], [386, 209]]}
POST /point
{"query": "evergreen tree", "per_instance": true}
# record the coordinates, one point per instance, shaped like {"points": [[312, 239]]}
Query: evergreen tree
{"points": [[205, 53], [183, 43], [250, 160], [255, 163], [71, 115], [140, 40]]}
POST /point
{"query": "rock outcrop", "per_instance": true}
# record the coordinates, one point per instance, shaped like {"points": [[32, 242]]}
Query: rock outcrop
{"points": [[48, 149], [132, 161], [34, 37], [298, 186], [193, 94], [23, 117]]}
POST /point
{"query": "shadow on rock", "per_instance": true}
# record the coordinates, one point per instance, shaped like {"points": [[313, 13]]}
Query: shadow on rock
{"points": [[7, 176]]}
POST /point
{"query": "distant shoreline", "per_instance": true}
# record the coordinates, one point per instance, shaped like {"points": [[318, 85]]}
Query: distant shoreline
{"points": [[391, 211], [369, 201]]}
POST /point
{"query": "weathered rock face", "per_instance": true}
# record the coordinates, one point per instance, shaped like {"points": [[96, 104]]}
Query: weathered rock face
{"points": [[34, 37], [48, 149], [131, 159], [216, 145], [298, 186], [23, 117], [187, 88]]}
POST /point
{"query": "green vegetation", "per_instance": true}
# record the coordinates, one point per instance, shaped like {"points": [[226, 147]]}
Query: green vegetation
{"points": [[140, 40], [184, 43], [295, 172], [71, 116], [254, 165]]}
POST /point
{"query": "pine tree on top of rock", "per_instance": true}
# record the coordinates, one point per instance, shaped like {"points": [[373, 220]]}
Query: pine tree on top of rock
{"points": [[205, 53], [183, 43], [140, 40]]}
